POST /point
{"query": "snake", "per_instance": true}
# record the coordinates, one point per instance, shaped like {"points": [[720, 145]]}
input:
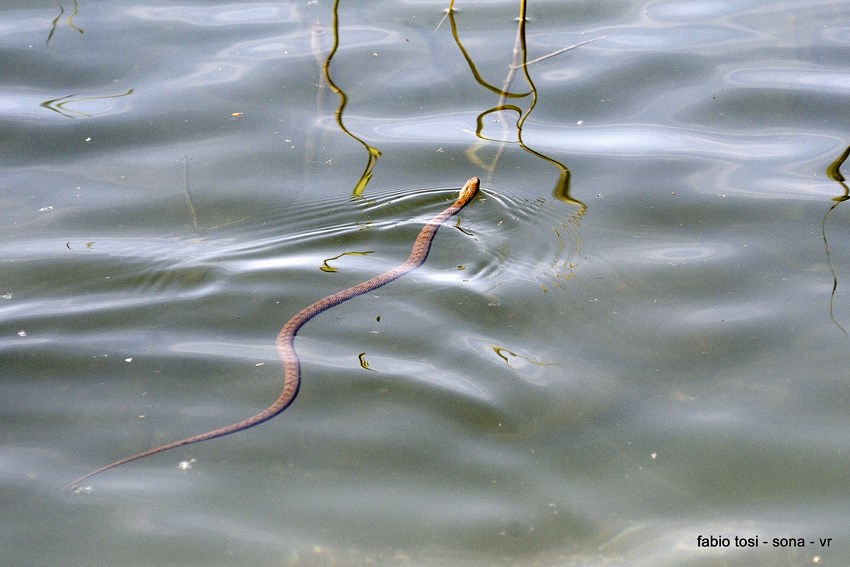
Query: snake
{"points": [[285, 342]]}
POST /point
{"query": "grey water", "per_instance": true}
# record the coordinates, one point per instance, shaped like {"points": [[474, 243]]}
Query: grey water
{"points": [[631, 349]]}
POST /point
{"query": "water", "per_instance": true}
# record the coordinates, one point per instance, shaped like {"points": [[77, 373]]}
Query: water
{"points": [[635, 337]]}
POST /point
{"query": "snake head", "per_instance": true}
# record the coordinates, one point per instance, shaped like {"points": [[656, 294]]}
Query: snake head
{"points": [[468, 191]]}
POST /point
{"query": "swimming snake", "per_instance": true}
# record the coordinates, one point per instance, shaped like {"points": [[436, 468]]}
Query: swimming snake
{"points": [[285, 343]]}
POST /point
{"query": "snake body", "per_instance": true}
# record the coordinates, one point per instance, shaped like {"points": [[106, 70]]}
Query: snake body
{"points": [[285, 342]]}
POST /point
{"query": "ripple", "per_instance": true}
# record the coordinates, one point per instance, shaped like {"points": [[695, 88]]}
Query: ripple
{"points": [[739, 312], [527, 240], [427, 128], [683, 37], [640, 140], [698, 10], [814, 80], [676, 254], [221, 16]]}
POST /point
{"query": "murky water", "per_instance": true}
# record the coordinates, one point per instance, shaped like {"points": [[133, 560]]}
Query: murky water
{"points": [[634, 339]]}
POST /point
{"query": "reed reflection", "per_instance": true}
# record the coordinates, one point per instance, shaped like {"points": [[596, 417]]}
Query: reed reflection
{"points": [[372, 153], [520, 105], [519, 65], [833, 171], [69, 21]]}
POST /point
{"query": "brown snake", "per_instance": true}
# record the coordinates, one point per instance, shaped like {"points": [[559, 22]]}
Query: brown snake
{"points": [[285, 343]]}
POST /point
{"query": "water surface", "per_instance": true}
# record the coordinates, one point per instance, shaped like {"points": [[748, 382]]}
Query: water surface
{"points": [[636, 336]]}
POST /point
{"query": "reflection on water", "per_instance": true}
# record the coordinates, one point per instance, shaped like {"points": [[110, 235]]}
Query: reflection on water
{"points": [[61, 105], [521, 63], [69, 21], [565, 231], [833, 171], [372, 152]]}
